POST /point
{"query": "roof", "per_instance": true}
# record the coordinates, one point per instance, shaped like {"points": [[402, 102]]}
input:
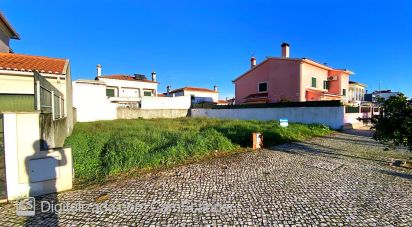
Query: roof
{"points": [[327, 93], [306, 60], [125, 77], [257, 96], [193, 89], [357, 83], [29, 63], [14, 34], [82, 81]]}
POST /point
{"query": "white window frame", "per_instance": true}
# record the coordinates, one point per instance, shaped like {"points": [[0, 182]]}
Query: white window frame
{"points": [[267, 86]]}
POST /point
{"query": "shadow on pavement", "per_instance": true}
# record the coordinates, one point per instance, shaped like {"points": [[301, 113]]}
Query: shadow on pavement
{"points": [[359, 132], [397, 174]]}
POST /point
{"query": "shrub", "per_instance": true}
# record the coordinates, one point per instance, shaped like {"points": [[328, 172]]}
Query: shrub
{"points": [[394, 122]]}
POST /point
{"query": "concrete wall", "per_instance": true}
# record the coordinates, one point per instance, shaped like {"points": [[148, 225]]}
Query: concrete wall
{"points": [[331, 116], [53, 132], [31, 171], [180, 102], [91, 102], [128, 113]]}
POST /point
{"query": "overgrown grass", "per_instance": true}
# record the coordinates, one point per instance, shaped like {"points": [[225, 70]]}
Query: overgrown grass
{"points": [[107, 148]]}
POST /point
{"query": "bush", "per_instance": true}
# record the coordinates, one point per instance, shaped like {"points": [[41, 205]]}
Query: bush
{"points": [[394, 122], [106, 148]]}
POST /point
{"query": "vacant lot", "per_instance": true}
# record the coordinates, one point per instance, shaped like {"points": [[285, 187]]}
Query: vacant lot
{"points": [[334, 180], [108, 148]]}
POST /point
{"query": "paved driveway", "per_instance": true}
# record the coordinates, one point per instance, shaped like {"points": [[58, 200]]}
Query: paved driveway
{"points": [[340, 180]]}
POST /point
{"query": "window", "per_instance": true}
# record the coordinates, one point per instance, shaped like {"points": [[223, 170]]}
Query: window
{"points": [[147, 93], [326, 85], [110, 92], [313, 82], [344, 92], [263, 87]]}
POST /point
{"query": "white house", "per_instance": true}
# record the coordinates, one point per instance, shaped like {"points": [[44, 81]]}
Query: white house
{"points": [[99, 99], [356, 92], [127, 90], [198, 95]]}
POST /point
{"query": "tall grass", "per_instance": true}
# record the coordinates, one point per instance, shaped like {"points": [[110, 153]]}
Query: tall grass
{"points": [[106, 148]]}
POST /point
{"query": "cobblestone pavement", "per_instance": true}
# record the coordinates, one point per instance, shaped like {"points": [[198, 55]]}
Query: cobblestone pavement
{"points": [[320, 182]]}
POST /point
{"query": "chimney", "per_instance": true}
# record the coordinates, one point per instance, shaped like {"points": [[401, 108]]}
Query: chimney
{"points": [[154, 77], [285, 50], [215, 88], [252, 62], [99, 70], [168, 88]]}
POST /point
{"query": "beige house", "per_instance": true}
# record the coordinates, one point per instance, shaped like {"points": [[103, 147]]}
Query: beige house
{"points": [[36, 116], [17, 83]]}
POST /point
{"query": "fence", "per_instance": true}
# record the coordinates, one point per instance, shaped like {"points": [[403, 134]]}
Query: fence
{"points": [[331, 103], [351, 109], [47, 98]]}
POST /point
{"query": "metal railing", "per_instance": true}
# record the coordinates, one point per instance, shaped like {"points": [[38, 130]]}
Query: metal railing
{"points": [[351, 109], [48, 99]]}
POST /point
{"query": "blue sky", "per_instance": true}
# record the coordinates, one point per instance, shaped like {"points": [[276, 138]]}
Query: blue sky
{"points": [[202, 43]]}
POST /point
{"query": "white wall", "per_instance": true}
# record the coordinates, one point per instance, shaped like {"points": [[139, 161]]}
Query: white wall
{"points": [[91, 102], [173, 103], [331, 116]]}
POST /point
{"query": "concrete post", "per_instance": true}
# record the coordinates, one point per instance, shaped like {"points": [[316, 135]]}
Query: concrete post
{"points": [[38, 104], [60, 107], [52, 104]]}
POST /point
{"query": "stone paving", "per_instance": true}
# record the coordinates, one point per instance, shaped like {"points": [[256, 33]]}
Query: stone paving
{"points": [[321, 182]]}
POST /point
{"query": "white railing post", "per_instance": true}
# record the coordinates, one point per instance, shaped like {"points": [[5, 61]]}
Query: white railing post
{"points": [[38, 104], [52, 104], [60, 106]]}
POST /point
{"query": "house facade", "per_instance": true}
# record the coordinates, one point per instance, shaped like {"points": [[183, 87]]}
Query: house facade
{"points": [[198, 95], [278, 79]]}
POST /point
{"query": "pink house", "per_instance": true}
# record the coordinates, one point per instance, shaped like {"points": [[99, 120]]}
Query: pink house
{"points": [[283, 78]]}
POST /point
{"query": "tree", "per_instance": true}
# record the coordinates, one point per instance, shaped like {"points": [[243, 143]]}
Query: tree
{"points": [[394, 122]]}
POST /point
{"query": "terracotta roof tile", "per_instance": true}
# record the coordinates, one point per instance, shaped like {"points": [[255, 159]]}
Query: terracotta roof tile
{"points": [[28, 63], [125, 77]]}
